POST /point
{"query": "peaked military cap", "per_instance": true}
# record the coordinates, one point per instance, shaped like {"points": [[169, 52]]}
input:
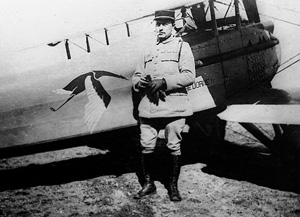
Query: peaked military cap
{"points": [[165, 14]]}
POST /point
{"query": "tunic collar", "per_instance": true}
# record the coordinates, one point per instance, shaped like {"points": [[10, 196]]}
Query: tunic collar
{"points": [[171, 38]]}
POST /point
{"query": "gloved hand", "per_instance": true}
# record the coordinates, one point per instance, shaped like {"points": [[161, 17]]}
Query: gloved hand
{"points": [[156, 96], [143, 82], [156, 85]]}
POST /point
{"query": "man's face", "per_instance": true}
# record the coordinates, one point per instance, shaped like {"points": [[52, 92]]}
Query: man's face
{"points": [[163, 29]]}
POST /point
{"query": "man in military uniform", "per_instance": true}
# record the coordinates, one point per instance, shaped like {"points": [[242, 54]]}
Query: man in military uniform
{"points": [[162, 76]]}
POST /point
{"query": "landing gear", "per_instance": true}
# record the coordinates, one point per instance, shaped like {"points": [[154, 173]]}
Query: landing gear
{"points": [[282, 141], [208, 124], [285, 144], [205, 137], [279, 141]]}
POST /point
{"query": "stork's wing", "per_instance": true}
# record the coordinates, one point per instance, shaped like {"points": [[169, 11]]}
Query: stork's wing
{"points": [[95, 107], [100, 73], [101, 91], [77, 84]]}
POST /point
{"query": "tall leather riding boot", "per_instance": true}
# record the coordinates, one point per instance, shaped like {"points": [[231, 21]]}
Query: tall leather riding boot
{"points": [[149, 186], [173, 187]]}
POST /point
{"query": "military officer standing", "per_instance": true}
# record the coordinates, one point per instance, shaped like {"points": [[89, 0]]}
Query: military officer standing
{"points": [[161, 78]]}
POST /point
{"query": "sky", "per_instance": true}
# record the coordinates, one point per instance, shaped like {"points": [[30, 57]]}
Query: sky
{"points": [[30, 22], [26, 23]]}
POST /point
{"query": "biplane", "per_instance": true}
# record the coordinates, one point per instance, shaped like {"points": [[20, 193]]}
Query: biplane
{"points": [[71, 95]]}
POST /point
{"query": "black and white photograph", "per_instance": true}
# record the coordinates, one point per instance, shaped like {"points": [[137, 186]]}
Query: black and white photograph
{"points": [[139, 108]]}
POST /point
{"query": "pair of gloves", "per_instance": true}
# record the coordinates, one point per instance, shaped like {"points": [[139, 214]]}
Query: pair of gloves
{"points": [[153, 88]]}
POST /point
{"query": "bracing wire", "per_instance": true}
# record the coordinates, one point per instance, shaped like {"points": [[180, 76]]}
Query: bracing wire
{"points": [[288, 66], [266, 132], [78, 46], [280, 7], [227, 9], [290, 59], [286, 21], [97, 40]]}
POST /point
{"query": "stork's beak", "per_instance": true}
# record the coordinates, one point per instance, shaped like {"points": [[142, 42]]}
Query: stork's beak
{"points": [[54, 110]]}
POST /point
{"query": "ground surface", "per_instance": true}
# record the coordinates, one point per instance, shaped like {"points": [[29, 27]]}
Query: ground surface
{"points": [[227, 180]]}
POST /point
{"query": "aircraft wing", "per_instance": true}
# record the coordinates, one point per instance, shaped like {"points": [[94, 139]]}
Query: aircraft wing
{"points": [[272, 114], [263, 105]]}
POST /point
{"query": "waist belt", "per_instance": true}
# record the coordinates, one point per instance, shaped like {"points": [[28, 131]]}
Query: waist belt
{"points": [[180, 90]]}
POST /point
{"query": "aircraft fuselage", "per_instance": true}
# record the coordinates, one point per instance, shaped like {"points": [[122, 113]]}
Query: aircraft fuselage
{"points": [[226, 62]]}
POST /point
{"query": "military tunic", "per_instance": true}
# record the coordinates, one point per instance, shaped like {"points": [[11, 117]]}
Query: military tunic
{"points": [[178, 69], [172, 60]]}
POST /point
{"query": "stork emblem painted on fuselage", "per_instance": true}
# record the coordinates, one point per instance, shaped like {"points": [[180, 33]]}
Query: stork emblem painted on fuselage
{"points": [[98, 98]]}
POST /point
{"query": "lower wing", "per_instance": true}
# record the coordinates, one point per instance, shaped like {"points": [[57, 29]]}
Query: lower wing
{"points": [[273, 114], [263, 105]]}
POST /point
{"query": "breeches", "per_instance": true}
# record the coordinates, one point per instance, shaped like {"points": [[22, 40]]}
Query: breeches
{"points": [[150, 128]]}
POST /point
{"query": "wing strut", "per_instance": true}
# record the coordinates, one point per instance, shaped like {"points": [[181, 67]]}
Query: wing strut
{"points": [[256, 132]]}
